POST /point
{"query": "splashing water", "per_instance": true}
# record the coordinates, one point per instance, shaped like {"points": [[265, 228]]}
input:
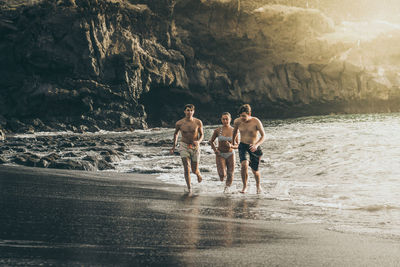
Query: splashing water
{"points": [[341, 170]]}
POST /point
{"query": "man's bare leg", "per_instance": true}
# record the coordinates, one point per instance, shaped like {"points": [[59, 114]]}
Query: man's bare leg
{"points": [[195, 170], [244, 165], [257, 176], [186, 171]]}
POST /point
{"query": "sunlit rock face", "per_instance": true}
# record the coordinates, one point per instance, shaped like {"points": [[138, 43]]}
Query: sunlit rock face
{"points": [[284, 60], [96, 64]]}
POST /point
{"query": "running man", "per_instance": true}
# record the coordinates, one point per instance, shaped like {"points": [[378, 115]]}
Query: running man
{"points": [[249, 127], [192, 135]]}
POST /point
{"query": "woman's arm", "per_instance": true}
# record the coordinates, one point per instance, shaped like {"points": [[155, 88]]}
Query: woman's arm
{"points": [[211, 142]]}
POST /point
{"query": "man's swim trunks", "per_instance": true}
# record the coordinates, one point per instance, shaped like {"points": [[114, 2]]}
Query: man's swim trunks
{"points": [[189, 151], [255, 157]]}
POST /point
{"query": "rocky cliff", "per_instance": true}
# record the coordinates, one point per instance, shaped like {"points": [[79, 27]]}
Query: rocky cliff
{"points": [[96, 64], [82, 65], [284, 60]]}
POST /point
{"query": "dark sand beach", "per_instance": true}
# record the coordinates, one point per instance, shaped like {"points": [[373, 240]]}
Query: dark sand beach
{"points": [[60, 217]]}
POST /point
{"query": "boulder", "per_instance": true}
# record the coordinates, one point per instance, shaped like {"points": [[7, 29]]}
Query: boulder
{"points": [[2, 135], [27, 159], [70, 164], [3, 160]]}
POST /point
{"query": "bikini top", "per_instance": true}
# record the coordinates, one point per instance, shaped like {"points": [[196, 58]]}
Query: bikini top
{"points": [[223, 138]]}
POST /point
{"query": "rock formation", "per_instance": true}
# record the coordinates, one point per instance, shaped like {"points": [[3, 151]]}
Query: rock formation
{"points": [[279, 59], [80, 65], [2, 135], [85, 65]]}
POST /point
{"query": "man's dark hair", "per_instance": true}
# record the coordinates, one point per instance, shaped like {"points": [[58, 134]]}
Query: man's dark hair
{"points": [[244, 108], [191, 106], [226, 113]]}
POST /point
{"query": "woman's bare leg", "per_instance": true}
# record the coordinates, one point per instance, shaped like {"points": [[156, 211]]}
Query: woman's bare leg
{"points": [[221, 167], [230, 166]]}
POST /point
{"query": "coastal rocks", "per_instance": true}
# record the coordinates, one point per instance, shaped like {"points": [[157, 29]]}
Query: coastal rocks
{"points": [[46, 161], [2, 135], [121, 65], [111, 155], [70, 164], [158, 143], [98, 163], [27, 159], [66, 151], [96, 68], [54, 160]]}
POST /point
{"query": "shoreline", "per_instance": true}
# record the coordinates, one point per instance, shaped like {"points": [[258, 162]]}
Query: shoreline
{"points": [[30, 133], [65, 217]]}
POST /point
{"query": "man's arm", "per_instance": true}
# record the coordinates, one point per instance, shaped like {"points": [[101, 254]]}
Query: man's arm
{"points": [[235, 143], [235, 132], [175, 140], [260, 129], [200, 133]]}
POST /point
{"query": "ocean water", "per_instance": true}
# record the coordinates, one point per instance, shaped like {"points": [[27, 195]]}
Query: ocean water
{"points": [[342, 170], [339, 170]]}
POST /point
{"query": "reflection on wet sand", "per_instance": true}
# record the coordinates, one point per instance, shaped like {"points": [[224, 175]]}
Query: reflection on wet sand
{"points": [[191, 221], [191, 236], [226, 229]]}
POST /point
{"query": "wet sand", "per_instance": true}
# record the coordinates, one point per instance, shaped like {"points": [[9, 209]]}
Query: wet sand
{"points": [[62, 217]]}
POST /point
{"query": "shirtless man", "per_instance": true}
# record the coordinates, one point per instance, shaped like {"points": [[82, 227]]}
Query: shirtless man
{"points": [[192, 135], [249, 127]]}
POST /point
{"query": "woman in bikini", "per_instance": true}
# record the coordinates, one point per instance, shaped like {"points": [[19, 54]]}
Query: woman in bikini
{"points": [[225, 155]]}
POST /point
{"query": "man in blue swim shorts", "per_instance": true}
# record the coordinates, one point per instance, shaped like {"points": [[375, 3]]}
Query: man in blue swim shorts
{"points": [[250, 128]]}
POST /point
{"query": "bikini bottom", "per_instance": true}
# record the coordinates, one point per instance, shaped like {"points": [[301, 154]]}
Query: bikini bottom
{"points": [[227, 154]]}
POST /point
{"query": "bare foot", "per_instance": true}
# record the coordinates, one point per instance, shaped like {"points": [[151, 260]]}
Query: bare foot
{"points": [[259, 190], [199, 178], [227, 190], [244, 190], [189, 191]]}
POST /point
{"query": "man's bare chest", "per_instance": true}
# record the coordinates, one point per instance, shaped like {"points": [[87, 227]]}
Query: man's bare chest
{"points": [[247, 128], [189, 128]]}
